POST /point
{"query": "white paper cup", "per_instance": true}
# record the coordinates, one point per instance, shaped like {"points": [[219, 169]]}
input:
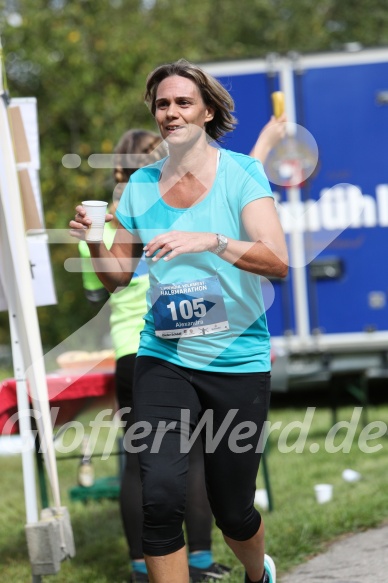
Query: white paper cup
{"points": [[323, 493], [96, 211], [261, 498], [351, 475]]}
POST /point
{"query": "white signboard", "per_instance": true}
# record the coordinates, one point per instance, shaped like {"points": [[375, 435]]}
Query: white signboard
{"points": [[25, 134], [42, 278]]}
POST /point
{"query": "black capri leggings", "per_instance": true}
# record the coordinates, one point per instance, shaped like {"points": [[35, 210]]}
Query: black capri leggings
{"points": [[237, 404], [198, 516]]}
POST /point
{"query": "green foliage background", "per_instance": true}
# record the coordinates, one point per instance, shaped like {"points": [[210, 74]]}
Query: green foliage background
{"points": [[86, 62]]}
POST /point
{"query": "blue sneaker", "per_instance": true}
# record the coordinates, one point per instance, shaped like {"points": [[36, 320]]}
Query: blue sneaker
{"points": [[270, 569]]}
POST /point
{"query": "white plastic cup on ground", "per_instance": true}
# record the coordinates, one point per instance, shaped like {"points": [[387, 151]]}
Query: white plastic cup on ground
{"points": [[351, 475], [323, 493], [261, 498], [96, 211]]}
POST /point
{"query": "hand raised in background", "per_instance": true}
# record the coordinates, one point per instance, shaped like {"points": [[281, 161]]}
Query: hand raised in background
{"points": [[270, 135]]}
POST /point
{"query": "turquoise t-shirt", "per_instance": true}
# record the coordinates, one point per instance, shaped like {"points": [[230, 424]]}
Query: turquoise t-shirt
{"points": [[203, 312]]}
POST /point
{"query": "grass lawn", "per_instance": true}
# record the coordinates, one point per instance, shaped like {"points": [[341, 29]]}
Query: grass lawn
{"points": [[297, 528]]}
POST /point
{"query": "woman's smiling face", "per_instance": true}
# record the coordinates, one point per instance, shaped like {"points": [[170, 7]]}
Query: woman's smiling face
{"points": [[180, 111]]}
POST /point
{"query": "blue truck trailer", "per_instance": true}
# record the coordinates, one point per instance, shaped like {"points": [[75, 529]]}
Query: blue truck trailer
{"points": [[330, 316]]}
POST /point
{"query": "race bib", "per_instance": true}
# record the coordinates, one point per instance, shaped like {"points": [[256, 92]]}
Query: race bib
{"points": [[193, 308]]}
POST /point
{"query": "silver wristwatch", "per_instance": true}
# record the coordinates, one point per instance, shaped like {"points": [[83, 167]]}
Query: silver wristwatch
{"points": [[222, 244]]}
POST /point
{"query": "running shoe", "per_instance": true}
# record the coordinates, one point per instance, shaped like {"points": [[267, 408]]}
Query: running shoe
{"points": [[215, 572], [270, 569]]}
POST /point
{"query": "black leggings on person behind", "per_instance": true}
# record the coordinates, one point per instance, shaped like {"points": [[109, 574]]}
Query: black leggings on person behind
{"points": [[237, 405], [198, 516]]}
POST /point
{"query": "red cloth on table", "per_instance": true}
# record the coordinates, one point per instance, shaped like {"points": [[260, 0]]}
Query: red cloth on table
{"points": [[71, 393]]}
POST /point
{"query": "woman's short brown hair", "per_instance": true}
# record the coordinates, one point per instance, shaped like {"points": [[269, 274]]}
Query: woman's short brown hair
{"points": [[213, 94]]}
